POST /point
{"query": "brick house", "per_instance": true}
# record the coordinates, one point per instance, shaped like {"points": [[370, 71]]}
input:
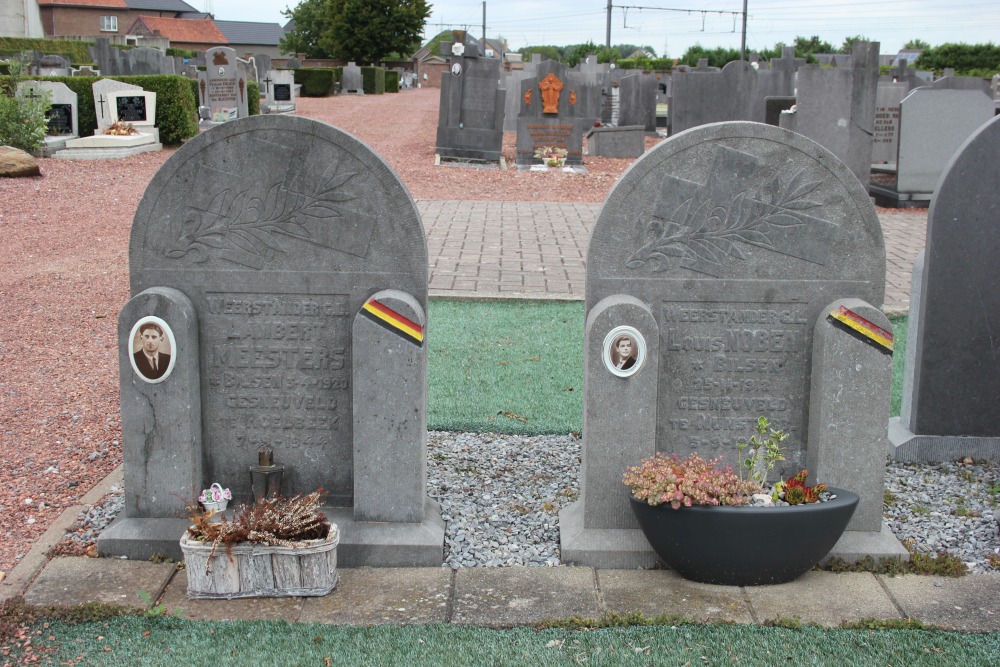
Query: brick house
{"points": [[195, 34], [105, 18]]}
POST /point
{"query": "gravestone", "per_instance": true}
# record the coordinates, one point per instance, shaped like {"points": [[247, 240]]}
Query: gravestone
{"points": [[835, 107], [279, 91], [147, 62], [951, 386], [62, 114], [885, 143], [550, 114], [138, 108], [704, 96], [616, 141], [221, 87], [52, 65], [287, 265], [773, 106], [262, 62], [638, 101], [103, 89], [86, 70], [470, 120], [352, 80], [293, 63], [777, 80], [729, 255], [933, 123]]}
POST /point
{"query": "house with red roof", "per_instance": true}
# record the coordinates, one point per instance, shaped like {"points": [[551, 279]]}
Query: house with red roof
{"points": [[195, 34]]}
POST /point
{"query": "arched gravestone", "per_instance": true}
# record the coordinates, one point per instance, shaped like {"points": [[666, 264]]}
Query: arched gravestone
{"points": [[302, 260], [951, 387], [729, 250]]}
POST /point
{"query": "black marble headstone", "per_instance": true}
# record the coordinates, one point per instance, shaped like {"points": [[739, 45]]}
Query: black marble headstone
{"points": [[131, 109], [60, 119], [282, 92]]}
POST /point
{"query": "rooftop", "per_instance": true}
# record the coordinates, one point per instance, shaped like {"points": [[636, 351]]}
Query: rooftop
{"points": [[248, 32], [192, 31]]}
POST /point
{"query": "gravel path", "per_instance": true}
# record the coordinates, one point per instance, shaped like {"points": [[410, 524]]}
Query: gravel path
{"points": [[64, 278]]}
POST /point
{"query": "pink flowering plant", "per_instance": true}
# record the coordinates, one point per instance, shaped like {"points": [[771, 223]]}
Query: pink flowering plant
{"points": [[663, 479], [215, 494]]}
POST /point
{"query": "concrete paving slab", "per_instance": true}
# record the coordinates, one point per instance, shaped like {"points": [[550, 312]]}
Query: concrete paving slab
{"points": [[384, 596], [71, 581], [505, 597], [265, 609], [968, 604], [664, 592], [823, 598]]}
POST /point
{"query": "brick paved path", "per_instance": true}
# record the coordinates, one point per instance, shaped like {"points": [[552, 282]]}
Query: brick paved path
{"points": [[538, 249]]}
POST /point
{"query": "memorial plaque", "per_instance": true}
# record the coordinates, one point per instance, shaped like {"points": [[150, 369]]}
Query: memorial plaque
{"points": [[131, 109], [60, 119], [282, 92], [737, 235], [278, 254]]}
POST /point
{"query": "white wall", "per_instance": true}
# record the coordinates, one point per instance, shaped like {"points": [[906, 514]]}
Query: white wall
{"points": [[20, 18]]}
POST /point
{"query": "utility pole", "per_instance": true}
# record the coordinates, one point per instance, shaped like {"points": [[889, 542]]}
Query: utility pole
{"points": [[743, 43], [607, 35], [484, 26]]}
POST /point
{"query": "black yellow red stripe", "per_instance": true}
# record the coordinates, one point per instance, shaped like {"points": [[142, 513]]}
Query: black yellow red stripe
{"points": [[862, 328], [381, 314]]}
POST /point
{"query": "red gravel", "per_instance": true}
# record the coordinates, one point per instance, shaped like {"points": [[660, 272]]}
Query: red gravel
{"points": [[64, 279]]}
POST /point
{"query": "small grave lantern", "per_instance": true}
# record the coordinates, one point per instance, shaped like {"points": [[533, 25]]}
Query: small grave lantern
{"points": [[265, 475]]}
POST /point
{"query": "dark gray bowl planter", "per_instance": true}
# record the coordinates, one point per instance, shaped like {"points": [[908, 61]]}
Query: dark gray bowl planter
{"points": [[745, 546]]}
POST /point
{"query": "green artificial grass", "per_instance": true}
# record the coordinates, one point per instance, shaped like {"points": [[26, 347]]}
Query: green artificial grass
{"points": [[505, 366], [517, 366], [138, 641]]}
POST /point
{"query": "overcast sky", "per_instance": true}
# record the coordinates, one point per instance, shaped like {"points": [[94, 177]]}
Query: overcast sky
{"points": [[562, 22]]}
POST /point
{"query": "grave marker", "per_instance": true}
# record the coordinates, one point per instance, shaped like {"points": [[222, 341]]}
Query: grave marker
{"points": [[470, 121], [550, 114], [222, 87]]}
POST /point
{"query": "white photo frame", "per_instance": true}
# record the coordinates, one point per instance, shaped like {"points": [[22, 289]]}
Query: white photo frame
{"points": [[614, 347], [166, 346]]}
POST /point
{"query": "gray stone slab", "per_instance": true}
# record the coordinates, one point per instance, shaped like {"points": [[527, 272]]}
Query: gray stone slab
{"points": [[66, 582], [471, 115], [855, 545], [601, 547], [175, 600], [507, 597], [384, 544], [933, 125], [702, 97], [885, 143], [965, 604], [625, 141], [383, 596], [222, 86], [140, 538], [352, 81], [638, 102], [823, 598], [956, 376], [773, 106], [664, 592]]}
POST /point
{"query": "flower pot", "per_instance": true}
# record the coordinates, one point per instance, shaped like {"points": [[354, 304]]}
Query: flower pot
{"points": [[745, 546], [309, 568], [216, 506]]}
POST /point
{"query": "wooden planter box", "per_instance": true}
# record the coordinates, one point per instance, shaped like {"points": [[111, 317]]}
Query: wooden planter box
{"points": [[256, 570]]}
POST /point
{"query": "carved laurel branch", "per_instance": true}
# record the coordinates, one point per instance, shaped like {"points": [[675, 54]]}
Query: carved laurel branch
{"points": [[700, 232], [244, 224]]}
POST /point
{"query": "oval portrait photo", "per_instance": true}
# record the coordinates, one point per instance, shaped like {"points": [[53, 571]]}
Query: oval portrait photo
{"points": [[152, 349], [624, 351]]}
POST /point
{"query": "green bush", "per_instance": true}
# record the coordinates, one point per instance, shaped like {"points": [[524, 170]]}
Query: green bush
{"points": [[391, 81], [316, 81], [75, 51], [967, 59], [373, 80], [183, 53], [23, 122]]}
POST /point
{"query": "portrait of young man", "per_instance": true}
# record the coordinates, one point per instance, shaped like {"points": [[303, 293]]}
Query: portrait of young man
{"points": [[152, 358], [623, 353]]}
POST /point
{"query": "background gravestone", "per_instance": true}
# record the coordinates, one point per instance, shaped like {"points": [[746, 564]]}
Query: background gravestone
{"points": [[62, 115], [279, 91], [103, 89], [885, 143], [352, 80], [706, 95], [951, 386], [638, 101], [222, 88], [470, 121], [551, 113], [727, 247], [280, 231]]}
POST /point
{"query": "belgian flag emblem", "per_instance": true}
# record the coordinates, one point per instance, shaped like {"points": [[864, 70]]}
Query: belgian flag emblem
{"points": [[849, 321], [386, 317]]}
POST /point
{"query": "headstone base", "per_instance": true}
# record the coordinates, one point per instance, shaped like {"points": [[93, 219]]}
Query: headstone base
{"points": [[110, 147], [626, 141], [361, 543], [855, 545], [889, 197], [469, 163], [277, 108], [469, 143], [908, 447], [52, 145], [608, 548]]}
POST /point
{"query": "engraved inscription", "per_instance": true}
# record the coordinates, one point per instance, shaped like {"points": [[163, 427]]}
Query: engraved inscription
{"points": [[703, 227], [726, 365], [246, 227], [278, 374]]}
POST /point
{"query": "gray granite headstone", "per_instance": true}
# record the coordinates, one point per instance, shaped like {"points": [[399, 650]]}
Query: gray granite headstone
{"points": [[103, 89], [222, 88], [638, 101], [885, 143], [62, 114], [551, 114], [951, 386], [281, 230], [705, 96], [262, 62], [279, 91], [618, 141], [147, 62], [933, 123], [52, 65], [107, 57], [737, 237], [835, 107], [773, 106], [352, 81], [470, 120]]}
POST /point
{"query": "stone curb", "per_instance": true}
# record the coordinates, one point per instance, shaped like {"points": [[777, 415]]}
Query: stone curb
{"points": [[18, 579]]}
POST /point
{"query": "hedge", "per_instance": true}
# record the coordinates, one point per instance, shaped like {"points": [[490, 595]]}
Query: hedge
{"points": [[318, 81], [391, 81], [75, 51], [176, 109], [373, 80]]}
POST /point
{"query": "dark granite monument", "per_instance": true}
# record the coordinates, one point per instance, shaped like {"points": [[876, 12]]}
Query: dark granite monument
{"points": [[951, 386], [550, 114], [291, 264], [470, 122], [733, 253]]}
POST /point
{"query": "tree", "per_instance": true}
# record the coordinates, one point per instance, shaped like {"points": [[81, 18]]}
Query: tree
{"points": [[849, 43], [369, 30], [806, 47], [310, 23], [550, 52], [916, 44], [717, 57]]}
